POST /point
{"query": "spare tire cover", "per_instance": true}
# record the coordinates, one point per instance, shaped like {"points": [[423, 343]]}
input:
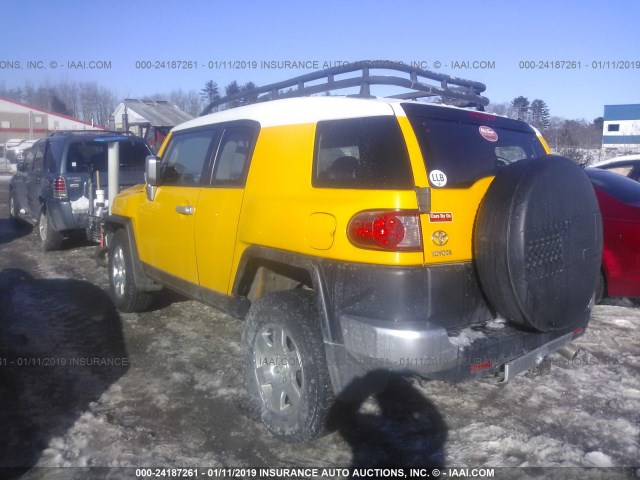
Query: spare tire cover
{"points": [[538, 243]]}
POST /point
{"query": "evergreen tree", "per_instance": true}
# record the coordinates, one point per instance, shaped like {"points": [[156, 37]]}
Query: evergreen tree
{"points": [[232, 89], [57, 105], [247, 87], [210, 91], [540, 117]]}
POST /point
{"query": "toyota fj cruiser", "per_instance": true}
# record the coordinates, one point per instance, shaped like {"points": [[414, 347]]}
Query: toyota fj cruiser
{"points": [[361, 236]]}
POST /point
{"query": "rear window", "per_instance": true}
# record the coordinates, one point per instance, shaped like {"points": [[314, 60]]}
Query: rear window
{"points": [[465, 146], [92, 155], [366, 153]]}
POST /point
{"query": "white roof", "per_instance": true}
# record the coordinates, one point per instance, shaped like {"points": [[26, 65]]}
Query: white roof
{"points": [[292, 111]]}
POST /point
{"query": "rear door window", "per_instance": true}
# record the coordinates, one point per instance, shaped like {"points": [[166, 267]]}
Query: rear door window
{"points": [[460, 147], [38, 160], [366, 153]]}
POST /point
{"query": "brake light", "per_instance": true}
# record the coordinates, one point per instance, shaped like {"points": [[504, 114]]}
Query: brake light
{"points": [[59, 188], [386, 230]]}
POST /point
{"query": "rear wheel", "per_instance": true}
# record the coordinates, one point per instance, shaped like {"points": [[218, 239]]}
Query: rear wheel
{"points": [[50, 239], [126, 296], [286, 373]]}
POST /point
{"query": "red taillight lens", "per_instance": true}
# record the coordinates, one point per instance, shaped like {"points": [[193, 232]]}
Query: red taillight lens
{"points": [[385, 230], [59, 188]]}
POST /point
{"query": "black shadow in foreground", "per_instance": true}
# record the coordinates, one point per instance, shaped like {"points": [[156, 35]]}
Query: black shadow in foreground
{"points": [[61, 348], [402, 429]]}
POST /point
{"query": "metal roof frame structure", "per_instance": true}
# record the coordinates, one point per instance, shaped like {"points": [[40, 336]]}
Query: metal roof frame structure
{"points": [[452, 90]]}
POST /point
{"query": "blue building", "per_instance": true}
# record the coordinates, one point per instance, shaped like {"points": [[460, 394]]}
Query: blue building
{"points": [[621, 128]]}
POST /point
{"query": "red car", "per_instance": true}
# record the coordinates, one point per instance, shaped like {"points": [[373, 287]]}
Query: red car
{"points": [[619, 199]]}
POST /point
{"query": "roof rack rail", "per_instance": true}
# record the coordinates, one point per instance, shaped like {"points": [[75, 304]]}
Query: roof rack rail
{"points": [[89, 132], [452, 90]]}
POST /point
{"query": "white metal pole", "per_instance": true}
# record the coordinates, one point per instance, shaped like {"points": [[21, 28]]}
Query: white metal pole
{"points": [[113, 171]]}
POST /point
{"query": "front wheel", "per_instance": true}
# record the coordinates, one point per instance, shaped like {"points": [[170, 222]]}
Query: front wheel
{"points": [[285, 366], [14, 215], [126, 295]]}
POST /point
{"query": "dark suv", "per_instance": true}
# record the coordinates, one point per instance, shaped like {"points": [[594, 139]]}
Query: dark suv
{"points": [[53, 185]]}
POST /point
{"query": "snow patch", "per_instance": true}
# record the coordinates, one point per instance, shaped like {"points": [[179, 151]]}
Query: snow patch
{"points": [[80, 205], [497, 323], [466, 337], [599, 459]]}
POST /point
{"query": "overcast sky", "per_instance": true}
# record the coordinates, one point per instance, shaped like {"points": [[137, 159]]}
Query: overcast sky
{"points": [[600, 40]]}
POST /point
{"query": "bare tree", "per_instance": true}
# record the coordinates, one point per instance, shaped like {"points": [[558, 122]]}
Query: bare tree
{"points": [[521, 106]]}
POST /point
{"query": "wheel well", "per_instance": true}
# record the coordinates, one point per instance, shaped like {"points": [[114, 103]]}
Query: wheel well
{"points": [[262, 277]]}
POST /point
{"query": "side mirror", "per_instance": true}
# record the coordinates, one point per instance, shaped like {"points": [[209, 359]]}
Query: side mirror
{"points": [[151, 170], [152, 167], [20, 166]]}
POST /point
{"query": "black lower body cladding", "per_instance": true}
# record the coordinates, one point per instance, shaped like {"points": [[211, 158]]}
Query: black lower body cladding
{"points": [[538, 243]]}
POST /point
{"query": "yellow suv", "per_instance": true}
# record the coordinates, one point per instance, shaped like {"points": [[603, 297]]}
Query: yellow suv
{"points": [[357, 237]]}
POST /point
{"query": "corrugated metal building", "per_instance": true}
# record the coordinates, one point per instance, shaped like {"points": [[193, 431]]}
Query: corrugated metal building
{"points": [[150, 119], [621, 128]]}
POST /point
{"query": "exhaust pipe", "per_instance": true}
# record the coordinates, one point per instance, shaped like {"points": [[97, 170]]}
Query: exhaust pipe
{"points": [[569, 351]]}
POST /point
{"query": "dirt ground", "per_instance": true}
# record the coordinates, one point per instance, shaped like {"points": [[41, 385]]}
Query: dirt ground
{"points": [[83, 385]]}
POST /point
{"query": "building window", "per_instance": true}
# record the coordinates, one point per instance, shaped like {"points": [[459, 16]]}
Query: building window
{"points": [[38, 119], [6, 124], [613, 127]]}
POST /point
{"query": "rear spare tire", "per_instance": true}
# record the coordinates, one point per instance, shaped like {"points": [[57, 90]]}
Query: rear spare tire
{"points": [[538, 243]]}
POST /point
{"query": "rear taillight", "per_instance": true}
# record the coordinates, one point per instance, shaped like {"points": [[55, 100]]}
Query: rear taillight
{"points": [[386, 230], [59, 188]]}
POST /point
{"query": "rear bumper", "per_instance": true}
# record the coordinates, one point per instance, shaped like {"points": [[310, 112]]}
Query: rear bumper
{"points": [[62, 216], [432, 321], [452, 355]]}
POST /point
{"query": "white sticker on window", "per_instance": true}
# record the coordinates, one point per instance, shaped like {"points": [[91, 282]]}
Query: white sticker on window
{"points": [[437, 178], [488, 133]]}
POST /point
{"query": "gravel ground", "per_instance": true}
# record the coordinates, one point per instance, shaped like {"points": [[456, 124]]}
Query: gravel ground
{"points": [[92, 387]]}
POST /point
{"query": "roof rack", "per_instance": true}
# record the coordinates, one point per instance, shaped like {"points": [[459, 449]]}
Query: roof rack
{"points": [[452, 90], [89, 132]]}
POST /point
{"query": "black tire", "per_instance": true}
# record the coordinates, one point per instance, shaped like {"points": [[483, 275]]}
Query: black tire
{"points": [[13, 210], [50, 239], [126, 297], [282, 342], [538, 243]]}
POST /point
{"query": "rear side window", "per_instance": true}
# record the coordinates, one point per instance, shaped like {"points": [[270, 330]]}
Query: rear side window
{"points": [[234, 153], [460, 151], [185, 158], [365, 153]]}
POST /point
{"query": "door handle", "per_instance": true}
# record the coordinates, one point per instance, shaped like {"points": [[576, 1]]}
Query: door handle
{"points": [[185, 209]]}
